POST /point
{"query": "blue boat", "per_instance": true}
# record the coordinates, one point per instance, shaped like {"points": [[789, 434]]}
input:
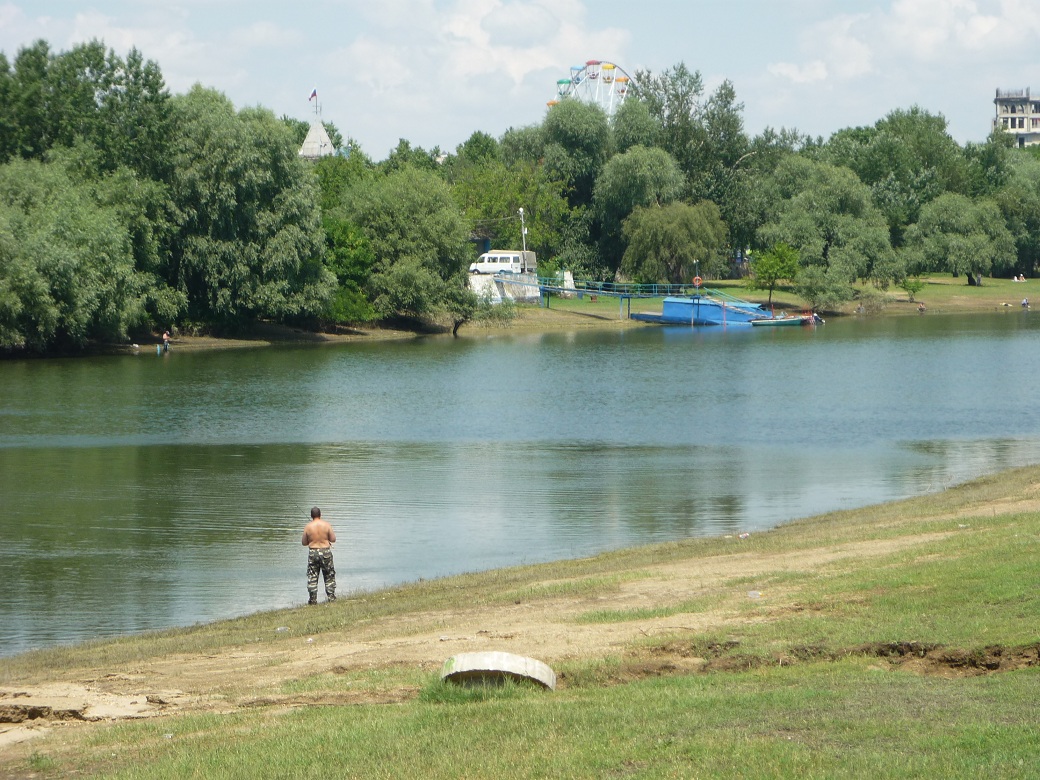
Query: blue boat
{"points": [[705, 310], [718, 309]]}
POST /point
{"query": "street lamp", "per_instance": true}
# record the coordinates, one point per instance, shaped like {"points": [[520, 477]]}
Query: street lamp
{"points": [[523, 229]]}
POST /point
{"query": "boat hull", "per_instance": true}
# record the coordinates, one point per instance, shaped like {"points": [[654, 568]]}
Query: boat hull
{"points": [[783, 322], [702, 310]]}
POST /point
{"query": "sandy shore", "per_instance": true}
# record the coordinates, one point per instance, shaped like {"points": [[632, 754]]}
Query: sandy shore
{"points": [[529, 320]]}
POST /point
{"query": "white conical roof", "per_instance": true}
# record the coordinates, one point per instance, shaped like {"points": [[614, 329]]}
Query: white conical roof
{"points": [[317, 143]]}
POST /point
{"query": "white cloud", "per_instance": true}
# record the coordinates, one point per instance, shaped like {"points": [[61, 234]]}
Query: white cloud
{"points": [[475, 65], [837, 49], [808, 73], [939, 30], [933, 29]]}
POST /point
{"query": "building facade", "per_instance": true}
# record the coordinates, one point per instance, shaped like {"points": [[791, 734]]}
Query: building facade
{"points": [[1018, 115]]}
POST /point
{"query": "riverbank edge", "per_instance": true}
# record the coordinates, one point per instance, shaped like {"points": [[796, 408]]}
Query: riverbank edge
{"points": [[942, 296]]}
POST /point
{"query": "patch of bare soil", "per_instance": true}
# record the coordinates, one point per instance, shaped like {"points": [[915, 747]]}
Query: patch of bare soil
{"points": [[255, 676]]}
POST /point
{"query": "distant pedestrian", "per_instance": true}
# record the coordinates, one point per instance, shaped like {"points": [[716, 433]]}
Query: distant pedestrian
{"points": [[166, 341], [318, 537]]}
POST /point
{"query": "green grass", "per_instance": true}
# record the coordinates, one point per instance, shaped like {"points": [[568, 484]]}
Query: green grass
{"points": [[828, 721], [825, 675], [941, 294]]}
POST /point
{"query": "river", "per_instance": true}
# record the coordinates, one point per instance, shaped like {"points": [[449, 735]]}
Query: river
{"points": [[145, 491]]}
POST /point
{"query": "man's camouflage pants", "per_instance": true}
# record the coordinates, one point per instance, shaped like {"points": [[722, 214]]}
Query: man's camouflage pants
{"points": [[320, 560]]}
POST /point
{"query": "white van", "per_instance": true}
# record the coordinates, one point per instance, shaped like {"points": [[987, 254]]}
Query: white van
{"points": [[504, 262]]}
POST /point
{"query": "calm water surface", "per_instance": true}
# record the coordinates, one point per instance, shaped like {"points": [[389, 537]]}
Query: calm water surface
{"points": [[148, 491]]}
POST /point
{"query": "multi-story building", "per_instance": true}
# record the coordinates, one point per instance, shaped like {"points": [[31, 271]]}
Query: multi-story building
{"points": [[1019, 115]]}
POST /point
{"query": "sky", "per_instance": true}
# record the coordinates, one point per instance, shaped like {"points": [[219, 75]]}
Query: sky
{"points": [[435, 71]]}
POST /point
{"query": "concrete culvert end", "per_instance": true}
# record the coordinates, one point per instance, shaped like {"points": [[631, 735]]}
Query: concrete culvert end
{"points": [[493, 666]]}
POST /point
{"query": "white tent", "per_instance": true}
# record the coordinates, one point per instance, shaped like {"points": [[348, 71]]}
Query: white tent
{"points": [[317, 143]]}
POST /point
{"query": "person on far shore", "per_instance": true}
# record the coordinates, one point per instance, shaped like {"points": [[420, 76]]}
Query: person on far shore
{"points": [[318, 537], [166, 341]]}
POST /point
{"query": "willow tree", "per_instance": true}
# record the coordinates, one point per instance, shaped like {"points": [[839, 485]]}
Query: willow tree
{"points": [[670, 244], [67, 271], [249, 243], [961, 236], [639, 177]]}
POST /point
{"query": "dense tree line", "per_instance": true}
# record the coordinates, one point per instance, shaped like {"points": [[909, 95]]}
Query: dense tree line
{"points": [[125, 209]]}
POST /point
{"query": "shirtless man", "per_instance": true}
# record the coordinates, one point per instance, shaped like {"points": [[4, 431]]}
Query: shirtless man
{"points": [[318, 537]]}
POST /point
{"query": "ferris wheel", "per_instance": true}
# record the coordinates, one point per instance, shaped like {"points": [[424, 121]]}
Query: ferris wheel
{"points": [[597, 81]]}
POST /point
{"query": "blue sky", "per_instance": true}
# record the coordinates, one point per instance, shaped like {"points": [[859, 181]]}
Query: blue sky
{"points": [[434, 71]]}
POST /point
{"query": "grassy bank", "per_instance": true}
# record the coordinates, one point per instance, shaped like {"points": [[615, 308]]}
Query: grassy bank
{"points": [[940, 295], [893, 641]]}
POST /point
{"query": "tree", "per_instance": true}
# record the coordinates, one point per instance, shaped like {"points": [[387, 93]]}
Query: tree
{"points": [[67, 272], [669, 244], [408, 289], [479, 149], [721, 173], [418, 237], [491, 196], [522, 145], [577, 138], [673, 99], [639, 177], [907, 159], [827, 214], [249, 242], [912, 285], [349, 255], [768, 268], [8, 118], [989, 164], [403, 156], [90, 95], [297, 127], [1019, 204], [338, 173], [30, 96], [961, 236], [821, 288], [633, 125]]}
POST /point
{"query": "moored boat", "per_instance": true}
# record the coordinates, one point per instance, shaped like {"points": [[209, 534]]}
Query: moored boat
{"points": [[805, 319], [705, 310], [719, 309]]}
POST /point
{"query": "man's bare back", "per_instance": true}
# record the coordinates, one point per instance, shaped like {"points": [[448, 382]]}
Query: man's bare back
{"points": [[318, 534]]}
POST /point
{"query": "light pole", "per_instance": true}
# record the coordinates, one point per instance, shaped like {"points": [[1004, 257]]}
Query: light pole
{"points": [[523, 230]]}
